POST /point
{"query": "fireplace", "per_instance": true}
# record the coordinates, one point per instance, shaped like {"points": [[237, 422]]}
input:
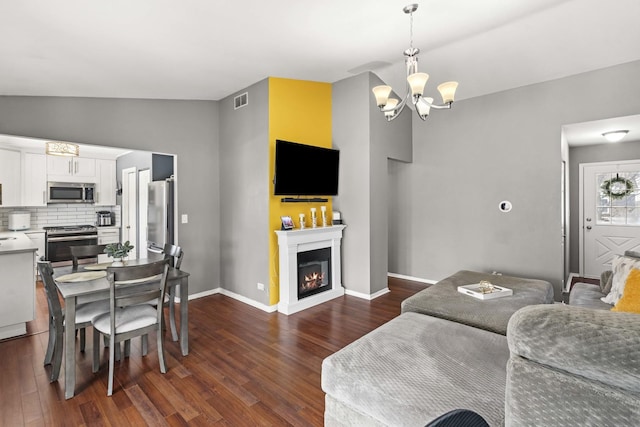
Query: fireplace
{"points": [[314, 272], [314, 253]]}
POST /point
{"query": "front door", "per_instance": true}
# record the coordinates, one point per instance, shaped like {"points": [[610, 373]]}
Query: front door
{"points": [[609, 213]]}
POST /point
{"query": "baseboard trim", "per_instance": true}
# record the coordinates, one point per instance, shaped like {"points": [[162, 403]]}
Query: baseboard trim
{"points": [[237, 297], [368, 297], [413, 279]]}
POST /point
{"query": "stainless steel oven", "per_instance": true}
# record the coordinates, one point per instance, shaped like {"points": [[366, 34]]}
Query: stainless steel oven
{"points": [[60, 239]]}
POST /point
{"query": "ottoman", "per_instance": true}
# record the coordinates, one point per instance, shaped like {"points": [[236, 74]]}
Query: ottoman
{"points": [[443, 300], [413, 369]]}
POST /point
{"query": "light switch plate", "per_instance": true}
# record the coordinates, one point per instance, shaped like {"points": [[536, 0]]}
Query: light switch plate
{"points": [[185, 218]]}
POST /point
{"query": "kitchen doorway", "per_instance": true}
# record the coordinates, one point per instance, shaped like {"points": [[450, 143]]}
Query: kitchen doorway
{"points": [[130, 209], [144, 178]]}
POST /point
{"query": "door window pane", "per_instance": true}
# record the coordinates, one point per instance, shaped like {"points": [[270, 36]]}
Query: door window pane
{"points": [[613, 206]]}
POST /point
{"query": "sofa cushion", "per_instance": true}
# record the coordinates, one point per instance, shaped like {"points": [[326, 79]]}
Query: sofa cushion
{"points": [[415, 367], [630, 301], [588, 296], [622, 266], [596, 344]]}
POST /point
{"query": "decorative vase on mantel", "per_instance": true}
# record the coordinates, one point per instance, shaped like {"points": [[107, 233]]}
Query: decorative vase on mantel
{"points": [[117, 262]]}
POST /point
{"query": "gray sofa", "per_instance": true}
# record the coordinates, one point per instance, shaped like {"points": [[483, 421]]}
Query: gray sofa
{"points": [[558, 365]]}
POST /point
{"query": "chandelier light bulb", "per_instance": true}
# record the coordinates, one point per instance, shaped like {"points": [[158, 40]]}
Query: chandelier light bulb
{"points": [[417, 82], [448, 91], [382, 94]]}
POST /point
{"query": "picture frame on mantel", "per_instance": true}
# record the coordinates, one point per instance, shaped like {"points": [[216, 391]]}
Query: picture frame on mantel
{"points": [[287, 223]]}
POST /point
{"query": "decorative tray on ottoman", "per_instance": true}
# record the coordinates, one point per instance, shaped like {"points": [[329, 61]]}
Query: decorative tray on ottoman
{"points": [[485, 290]]}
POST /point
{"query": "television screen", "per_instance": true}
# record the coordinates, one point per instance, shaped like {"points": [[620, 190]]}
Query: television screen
{"points": [[305, 170]]}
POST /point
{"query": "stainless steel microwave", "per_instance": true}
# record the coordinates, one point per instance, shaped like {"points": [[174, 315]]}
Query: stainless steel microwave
{"points": [[70, 192]]}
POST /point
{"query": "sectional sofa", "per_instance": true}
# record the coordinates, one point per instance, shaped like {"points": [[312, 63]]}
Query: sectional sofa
{"points": [[558, 364]]}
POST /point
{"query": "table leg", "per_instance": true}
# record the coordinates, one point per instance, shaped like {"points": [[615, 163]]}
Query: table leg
{"points": [[69, 348], [184, 316]]}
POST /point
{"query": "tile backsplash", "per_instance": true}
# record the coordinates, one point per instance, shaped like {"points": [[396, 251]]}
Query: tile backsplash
{"points": [[60, 214]]}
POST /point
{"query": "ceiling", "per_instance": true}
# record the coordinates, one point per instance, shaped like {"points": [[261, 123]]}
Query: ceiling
{"points": [[209, 49]]}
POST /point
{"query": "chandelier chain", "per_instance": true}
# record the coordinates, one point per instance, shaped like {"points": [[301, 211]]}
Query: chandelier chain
{"points": [[411, 30]]}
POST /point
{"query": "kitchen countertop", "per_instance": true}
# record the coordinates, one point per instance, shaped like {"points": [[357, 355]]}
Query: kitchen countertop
{"points": [[21, 243]]}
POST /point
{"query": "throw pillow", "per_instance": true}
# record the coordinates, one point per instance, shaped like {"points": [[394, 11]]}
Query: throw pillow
{"points": [[621, 268], [630, 301]]}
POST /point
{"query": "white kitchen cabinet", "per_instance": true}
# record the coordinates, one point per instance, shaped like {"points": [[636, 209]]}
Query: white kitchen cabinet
{"points": [[17, 284], [38, 239], [107, 235], [105, 182], [10, 190], [71, 169], [34, 180]]}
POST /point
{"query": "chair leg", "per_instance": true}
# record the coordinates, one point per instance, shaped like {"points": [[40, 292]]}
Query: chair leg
{"points": [[96, 351], [83, 339], [127, 348], [112, 355], [52, 342], [144, 340], [117, 351], [172, 314], [57, 353], [163, 365]]}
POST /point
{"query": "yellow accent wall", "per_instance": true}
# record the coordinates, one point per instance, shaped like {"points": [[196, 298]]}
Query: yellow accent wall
{"points": [[299, 111]]}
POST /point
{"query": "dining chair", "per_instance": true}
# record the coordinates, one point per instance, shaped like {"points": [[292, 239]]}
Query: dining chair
{"points": [[174, 254], [85, 251], [84, 315], [130, 288]]}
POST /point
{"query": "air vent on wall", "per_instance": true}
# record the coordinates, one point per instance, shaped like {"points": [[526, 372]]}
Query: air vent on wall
{"points": [[240, 100]]}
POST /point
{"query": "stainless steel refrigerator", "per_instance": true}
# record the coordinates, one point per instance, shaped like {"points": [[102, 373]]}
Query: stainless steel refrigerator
{"points": [[160, 216]]}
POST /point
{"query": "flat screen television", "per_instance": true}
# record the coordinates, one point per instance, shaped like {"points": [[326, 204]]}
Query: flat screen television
{"points": [[305, 170]]}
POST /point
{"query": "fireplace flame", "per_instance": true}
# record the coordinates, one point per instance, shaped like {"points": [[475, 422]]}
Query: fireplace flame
{"points": [[312, 280]]}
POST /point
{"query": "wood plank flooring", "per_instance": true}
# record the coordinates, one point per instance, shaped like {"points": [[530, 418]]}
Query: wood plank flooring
{"points": [[245, 367]]}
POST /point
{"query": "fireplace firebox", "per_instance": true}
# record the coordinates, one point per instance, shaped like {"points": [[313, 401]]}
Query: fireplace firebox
{"points": [[314, 272]]}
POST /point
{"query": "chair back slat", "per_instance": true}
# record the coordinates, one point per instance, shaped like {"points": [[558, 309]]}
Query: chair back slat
{"points": [[85, 251], [46, 273], [174, 253], [149, 282]]}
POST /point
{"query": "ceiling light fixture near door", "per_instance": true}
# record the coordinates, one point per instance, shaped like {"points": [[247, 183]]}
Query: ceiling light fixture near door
{"points": [[56, 148], [416, 82], [615, 136]]}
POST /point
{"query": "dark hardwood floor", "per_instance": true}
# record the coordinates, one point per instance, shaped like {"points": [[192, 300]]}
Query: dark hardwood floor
{"points": [[245, 367]]}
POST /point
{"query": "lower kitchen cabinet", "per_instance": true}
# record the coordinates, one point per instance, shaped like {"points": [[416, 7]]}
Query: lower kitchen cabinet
{"points": [[107, 235]]}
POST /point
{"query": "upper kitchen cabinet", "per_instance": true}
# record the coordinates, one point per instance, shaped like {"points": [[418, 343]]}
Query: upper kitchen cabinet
{"points": [[106, 182], [34, 180], [71, 169], [10, 178]]}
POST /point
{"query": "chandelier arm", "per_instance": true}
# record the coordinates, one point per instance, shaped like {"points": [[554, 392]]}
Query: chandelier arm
{"points": [[398, 109]]}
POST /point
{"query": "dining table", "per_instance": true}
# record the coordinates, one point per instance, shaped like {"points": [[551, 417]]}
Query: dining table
{"points": [[79, 291]]}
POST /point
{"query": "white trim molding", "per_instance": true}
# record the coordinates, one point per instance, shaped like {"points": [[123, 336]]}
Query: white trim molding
{"points": [[413, 279]]}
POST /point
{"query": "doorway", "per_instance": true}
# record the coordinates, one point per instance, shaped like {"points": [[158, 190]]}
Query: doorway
{"points": [[609, 213], [144, 178], [130, 209]]}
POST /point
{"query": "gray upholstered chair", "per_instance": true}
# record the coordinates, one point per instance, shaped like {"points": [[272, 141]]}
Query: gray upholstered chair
{"points": [[174, 254], [129, 313], [84, 315]]}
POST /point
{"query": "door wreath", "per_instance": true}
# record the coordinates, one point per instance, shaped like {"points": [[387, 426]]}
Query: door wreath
{"points": [[618, 187]]}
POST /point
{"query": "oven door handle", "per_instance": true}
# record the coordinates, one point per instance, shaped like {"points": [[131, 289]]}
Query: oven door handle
{"points": [[72, 238]]}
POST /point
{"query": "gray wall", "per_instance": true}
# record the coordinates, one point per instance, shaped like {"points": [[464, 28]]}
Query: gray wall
{"points": [[244, 213], [188, 129], [365, 141], [491, 148], [626, 150]]}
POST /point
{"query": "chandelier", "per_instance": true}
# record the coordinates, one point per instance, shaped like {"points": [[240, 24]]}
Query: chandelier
{"points": [[416, 82], [57, 148]]}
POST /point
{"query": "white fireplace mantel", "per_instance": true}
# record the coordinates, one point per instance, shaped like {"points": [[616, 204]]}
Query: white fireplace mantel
{"points": [[290, 243]]}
